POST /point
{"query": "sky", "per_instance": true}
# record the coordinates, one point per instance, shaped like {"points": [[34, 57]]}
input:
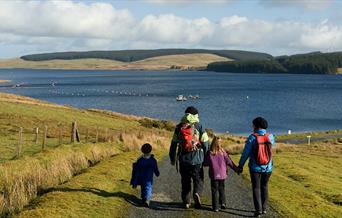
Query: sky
{"points": [[276, 27]]}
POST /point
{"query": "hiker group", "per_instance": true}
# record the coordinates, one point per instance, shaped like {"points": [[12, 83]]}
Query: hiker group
{"points": [[190, 152]]}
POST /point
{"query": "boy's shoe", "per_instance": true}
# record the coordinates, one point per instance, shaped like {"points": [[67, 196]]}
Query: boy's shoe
{"points": [[223, 206], [197, 200], [264, 212], [216, 210], [146, 203]]}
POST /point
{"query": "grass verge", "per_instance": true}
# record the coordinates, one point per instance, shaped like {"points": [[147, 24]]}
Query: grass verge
{"points": [[306, 181], [101, 191]]}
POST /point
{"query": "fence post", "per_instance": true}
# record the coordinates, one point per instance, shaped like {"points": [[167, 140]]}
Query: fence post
{"points": [[44, 137], [87, 135], [60, 135], [36, 132], [106, 135], [309, 139], [73, 132], [97, 135], [20, 143]]}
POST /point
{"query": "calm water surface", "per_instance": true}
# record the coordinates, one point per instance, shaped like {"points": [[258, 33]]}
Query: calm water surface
{"points": [[228, 102]]}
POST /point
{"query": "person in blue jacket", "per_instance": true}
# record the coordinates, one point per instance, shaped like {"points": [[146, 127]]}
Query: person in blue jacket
{"points": [[260, 174], [142, 174]]}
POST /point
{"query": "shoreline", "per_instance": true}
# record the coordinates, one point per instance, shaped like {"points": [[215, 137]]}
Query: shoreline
{"points": [[4, 81]]}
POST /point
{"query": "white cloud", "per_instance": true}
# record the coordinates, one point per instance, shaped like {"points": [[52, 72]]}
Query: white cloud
{"points": [[306, 4], [66, 25]]}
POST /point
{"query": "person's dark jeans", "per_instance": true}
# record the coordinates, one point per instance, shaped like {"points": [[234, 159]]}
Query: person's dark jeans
{"points": [[218, 195], [260, 190], [188, 173]]}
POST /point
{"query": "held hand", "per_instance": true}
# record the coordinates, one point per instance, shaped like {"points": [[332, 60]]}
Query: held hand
{"points": [[239, 170], [134, 186]]}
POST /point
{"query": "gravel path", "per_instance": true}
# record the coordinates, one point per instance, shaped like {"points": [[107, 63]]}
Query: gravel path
{"points": [[166, 200]]}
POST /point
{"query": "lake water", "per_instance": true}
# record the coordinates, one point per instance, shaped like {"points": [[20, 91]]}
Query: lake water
{"points": [[228, 102]]}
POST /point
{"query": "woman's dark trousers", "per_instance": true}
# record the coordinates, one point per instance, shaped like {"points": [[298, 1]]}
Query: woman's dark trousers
{"points": [[260, 190]]}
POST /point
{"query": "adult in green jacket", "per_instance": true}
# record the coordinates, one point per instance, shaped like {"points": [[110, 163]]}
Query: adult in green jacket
{"points": [[190, 162]]}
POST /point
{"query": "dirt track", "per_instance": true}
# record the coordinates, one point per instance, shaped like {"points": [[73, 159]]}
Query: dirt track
{"points": [[166, 200]]}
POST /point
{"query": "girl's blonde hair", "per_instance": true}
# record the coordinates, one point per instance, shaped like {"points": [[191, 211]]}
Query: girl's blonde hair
{"points": [[215, 146]]}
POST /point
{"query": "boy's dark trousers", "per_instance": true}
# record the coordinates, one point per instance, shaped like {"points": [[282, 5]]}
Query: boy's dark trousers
{"points": [[188, 173], [260, 190], [218, 195]]}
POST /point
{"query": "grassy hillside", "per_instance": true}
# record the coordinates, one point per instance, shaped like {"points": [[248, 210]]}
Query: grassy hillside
{"points": [[136, 55], [306, 181], [184, 62], [35, 170], [4, 81]]}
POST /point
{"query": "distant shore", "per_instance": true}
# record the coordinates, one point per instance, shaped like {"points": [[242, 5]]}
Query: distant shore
{"points": [[5, 81]]}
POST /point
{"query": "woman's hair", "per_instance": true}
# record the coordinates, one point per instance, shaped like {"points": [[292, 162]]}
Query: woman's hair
{"points": [[215, 146], [260, 123]]}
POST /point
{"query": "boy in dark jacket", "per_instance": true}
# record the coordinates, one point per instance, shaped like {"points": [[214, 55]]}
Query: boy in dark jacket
{"points": [[142, 173]]}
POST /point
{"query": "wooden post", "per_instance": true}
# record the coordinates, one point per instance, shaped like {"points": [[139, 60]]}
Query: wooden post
{"points": [[36, 132], [309, 139], [20, 143], [87, 135], [44, 138], [106, 135], [97, 135], [74, 133], [60, 135]]}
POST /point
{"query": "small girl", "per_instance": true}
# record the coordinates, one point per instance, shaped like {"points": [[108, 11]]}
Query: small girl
{"points": [[217, 159], [142, 173]]}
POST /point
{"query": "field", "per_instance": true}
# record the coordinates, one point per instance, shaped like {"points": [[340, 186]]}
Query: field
{"points": [[184, 62], [91, 178], [306, 181], [35, 170]]}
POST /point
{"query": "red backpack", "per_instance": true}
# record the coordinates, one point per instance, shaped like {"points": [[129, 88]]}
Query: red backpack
{"points": [[263, 149], [189, 137]]}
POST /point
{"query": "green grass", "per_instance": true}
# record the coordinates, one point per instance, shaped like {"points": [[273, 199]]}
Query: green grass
{"points": [[22, 178], [304, 135], [101, 191], [307, 181], [184, 61]]}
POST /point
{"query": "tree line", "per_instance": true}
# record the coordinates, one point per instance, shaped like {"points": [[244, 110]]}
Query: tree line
{"points": [[311, 63]]}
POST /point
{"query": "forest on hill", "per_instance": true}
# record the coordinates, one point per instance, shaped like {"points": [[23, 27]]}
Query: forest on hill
{"points": [[311, 63]]}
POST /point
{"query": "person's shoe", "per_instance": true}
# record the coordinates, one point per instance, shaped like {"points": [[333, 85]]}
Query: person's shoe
{"points": [[186, 206], [197, 200], [264, 212], [257, 214], [223, 206], [216, 210], [147, 203]]}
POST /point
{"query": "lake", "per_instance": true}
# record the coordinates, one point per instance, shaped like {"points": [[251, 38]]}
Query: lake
{"points": [[228, 102]]}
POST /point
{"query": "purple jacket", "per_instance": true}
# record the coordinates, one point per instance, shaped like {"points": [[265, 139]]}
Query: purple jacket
{"points": [[217, 165]]}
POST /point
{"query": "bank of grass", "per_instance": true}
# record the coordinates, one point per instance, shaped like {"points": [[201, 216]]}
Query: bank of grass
{"points": [[101, 191], [317, 134], [23, 178], [339, 70], [186, 61], [306, 181], [4, 81]]}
